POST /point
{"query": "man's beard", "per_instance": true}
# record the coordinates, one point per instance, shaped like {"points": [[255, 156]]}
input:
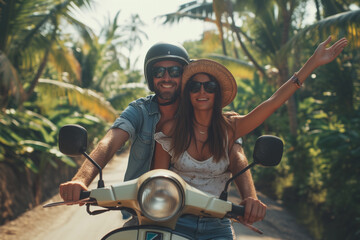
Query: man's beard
{"points": [[169, 96]]}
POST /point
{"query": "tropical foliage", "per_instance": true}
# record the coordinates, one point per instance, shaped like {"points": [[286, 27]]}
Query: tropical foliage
{"points": [[319, 124], [54, 71], [51, 76]]}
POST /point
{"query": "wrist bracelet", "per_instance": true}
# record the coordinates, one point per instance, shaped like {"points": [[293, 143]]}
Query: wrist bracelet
{"points": [[295, 80]]}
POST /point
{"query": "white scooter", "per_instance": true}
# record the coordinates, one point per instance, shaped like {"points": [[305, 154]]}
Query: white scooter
{"points": [[159, 197]]}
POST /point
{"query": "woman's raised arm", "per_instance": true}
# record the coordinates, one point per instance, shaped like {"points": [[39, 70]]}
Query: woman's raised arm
{"points": [[321, 56]]}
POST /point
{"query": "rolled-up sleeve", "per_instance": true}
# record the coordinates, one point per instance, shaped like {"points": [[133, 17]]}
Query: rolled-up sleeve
{"points": [[128, 121]]}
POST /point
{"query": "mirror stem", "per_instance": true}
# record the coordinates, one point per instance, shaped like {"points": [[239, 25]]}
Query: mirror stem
{"points": [[100, 182], [224, 194]]}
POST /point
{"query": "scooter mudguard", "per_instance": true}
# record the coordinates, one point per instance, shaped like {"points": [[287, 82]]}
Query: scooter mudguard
{"points": [[145, 233]]}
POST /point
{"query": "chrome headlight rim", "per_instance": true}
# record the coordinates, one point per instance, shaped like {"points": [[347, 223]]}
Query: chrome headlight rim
{"points": [[178, 186]]}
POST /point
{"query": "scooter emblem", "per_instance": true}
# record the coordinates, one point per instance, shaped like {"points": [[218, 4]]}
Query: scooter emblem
{"points": [[153, 236]]}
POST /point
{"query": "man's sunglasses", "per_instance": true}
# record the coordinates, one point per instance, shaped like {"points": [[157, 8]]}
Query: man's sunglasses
{"points": [[209, 86], [174, 71]]}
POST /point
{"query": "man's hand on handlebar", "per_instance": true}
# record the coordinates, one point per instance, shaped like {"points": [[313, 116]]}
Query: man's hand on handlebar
{"points": [[70, 191]]}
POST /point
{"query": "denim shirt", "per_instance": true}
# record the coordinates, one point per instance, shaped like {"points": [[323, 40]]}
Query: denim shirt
{"points": [[139, 120]]}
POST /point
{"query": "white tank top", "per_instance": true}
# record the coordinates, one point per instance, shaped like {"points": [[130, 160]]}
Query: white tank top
{"points": [[208, 176]]}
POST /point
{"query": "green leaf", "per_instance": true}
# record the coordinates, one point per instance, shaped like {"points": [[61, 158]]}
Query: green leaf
{"points": [[37, 145], [52, 163], [9, 134], [86, 99], [67, 160], [31, 165], [356, 152], [6, 140], [320, 115], [2, 157]]}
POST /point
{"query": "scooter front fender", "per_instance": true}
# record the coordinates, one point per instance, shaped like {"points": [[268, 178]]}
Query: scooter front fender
{"points": [[145, 233]]}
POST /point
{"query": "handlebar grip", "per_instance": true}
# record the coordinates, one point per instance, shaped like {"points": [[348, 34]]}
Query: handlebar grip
{"points": [[84, 194], [237, 210]]}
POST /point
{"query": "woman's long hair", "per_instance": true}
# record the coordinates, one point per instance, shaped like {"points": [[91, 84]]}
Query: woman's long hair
{"points": [[183, 132]]}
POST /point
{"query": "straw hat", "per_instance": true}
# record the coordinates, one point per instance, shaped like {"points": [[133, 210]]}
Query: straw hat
{"points": [[221, 73]]}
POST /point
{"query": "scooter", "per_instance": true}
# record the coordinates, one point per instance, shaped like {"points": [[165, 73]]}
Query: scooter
{"points": [[159, 197]]}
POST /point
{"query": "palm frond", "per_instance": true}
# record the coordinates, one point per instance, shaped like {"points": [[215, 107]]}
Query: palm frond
{"points": [[128, 93], [195, 10], [84, 98], [239, 68], [64, 60], [86, 33], [345, 24]]}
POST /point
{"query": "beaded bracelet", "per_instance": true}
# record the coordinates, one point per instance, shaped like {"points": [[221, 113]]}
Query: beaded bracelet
{"points": [[295, 80]]}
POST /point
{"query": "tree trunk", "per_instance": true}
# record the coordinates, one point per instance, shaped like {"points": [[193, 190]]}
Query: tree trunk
{"points": [[284, 71], [217, 8], [35, 80], [247, 53], [42, 66]]}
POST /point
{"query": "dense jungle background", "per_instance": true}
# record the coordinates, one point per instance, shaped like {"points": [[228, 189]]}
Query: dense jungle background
{"points": [[54, 70]]}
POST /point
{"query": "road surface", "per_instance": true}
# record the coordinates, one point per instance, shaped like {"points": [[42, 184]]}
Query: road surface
{"points": [[73, 222]]}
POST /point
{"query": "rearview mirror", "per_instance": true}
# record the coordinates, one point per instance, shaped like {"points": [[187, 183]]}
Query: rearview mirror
{"points": [[72, 140], [268, 150]]}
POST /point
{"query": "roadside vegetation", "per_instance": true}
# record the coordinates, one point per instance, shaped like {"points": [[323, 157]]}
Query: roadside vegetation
{"points": [[51, 75]]}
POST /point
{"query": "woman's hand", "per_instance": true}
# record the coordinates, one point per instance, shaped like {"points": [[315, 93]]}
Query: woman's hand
{"points": [[323, 55], [255, 210]]}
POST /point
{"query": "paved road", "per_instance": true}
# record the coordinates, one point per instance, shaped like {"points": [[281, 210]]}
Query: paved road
{"points": [[72, 222]]}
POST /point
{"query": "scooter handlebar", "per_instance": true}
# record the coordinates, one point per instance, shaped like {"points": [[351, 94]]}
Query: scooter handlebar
{"points": [[237, 210], [84, 194]]}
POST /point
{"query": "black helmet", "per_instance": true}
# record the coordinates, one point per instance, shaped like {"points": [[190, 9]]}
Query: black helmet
{"points": [[162, 52]]}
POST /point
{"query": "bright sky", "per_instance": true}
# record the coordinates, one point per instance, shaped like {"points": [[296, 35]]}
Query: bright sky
{"points": [[147, 10]]}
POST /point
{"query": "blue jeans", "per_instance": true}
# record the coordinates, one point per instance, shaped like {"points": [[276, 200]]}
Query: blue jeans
{"points": [[202, 228]]}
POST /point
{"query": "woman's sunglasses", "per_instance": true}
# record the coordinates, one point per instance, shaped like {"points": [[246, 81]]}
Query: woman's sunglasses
{"points": [[174, 71], [209, 86]]}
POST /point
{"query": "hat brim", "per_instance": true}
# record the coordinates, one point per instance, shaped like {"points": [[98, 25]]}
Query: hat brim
{"points": [[224, 77]]}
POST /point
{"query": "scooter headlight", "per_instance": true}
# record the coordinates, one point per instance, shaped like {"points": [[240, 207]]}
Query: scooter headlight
{"points": [[160, 198]]}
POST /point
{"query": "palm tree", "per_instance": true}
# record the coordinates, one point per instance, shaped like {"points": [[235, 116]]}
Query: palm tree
{"points": [[54, 92], [133, 36], [266, 39], [323, 157], [29, 40], [105, 59], [98, 55]]}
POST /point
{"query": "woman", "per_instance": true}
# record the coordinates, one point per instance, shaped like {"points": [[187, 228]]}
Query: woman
{"points": [[196, 143]]}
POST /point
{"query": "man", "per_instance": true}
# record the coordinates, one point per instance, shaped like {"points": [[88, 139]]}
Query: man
{"points": [[145, 116]]}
